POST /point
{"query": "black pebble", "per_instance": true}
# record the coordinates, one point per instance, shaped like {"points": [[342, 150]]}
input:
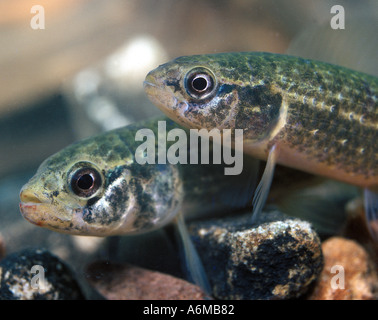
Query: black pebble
{"points": [[16, 277]]}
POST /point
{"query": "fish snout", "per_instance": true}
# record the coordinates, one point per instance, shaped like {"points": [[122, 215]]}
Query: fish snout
{"points": [[29, 204], [150, 80], [28, 196]]}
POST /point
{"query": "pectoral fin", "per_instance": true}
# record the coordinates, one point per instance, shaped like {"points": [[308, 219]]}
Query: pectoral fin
{"points": [[193, 262], [263, 188]]}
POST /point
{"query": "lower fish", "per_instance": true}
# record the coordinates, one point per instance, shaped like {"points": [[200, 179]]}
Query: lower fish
{"points": [[96, 187], [305, 114]]}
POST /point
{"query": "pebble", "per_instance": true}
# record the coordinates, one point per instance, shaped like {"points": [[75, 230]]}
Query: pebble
{"points": [[348, 274], [36, 274], [276, 259], [119, 281]]}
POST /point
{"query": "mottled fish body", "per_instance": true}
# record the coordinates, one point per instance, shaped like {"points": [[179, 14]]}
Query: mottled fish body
{"points": [[305, 114], [96, 187]]}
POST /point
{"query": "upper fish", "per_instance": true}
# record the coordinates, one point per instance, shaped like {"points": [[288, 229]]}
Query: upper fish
{"points": [[306, 114]]}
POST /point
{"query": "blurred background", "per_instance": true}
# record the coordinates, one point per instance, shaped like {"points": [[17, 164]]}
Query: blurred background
{"points": [[83, 73]]}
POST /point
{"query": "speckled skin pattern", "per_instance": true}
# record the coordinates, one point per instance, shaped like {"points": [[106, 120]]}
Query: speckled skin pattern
{"points": [[132, 198], [315, 113]]}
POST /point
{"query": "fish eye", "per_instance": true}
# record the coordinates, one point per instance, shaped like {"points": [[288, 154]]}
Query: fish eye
{"points": [[85, 181], [199, 83]]}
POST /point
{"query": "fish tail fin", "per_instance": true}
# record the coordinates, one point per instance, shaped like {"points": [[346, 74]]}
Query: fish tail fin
{"points": [[262, 190], [371, 212], [195, 269]]}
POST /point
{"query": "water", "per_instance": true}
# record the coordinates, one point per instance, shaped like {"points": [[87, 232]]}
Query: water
{"points": [[83, 74]]}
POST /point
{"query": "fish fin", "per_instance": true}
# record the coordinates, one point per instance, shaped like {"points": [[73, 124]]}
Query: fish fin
{"points": [[371, 212], [263, 188], [195, 269]]}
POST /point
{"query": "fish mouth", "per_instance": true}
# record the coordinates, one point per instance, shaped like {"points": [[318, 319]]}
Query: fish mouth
{"points": [[31, 212], [37, 212], [26, 196], [166, 101], [29, 205], [159, 95], [48, 216], [150, 84], [43, 215]]}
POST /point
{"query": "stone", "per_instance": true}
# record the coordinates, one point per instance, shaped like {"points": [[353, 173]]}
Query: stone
{"points": [[36, 274], [348, 274], [121, 281], [278, 259]]}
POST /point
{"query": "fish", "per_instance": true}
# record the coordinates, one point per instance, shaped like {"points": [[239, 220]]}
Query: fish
{"points": [[96, 187], [305, 114]]}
